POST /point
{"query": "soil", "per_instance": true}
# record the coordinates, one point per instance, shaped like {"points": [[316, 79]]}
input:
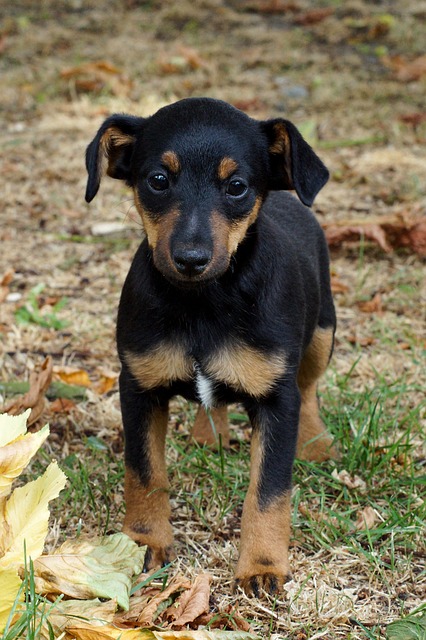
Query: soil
{"points": [[351, 75]]}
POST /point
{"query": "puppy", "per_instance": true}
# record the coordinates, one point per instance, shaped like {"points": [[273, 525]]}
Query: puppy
{"points": [[227, 300]]}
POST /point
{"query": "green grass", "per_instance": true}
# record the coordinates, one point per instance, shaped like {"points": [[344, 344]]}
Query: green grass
{"points": [[30, 618], [379, 433]]}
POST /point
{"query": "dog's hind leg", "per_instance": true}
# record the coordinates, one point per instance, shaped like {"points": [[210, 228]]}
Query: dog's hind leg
{"points": [[314, 442]]}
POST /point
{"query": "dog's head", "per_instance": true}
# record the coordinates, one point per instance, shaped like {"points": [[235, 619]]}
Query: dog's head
{"points": [[200, 170]]}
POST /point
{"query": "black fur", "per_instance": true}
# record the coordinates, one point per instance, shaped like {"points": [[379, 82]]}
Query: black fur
{"points": [[271, 294]]}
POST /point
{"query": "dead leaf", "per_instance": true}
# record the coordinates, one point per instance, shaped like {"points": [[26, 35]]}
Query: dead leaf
{"points": [[94, 77], [148, 615], [338, 234], [415, 119], [314, 16], [403, 229], [72, 376], [106, 382], [34, 399], [192, 603], [337, 286], [375, 305], [365, 341], [4, 284], [352, 482], [62, 405], [406, 70], [228, 619], [367, 518]]}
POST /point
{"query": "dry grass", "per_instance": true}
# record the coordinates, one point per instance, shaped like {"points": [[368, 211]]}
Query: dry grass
{"points": [[348, 583]]}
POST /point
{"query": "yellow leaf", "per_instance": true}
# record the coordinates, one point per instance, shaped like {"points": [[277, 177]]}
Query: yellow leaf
{"points": [[16, 454], [108, 632], [11, 427], [74, 376], [25, 516], [87, 569], [9, 587]]}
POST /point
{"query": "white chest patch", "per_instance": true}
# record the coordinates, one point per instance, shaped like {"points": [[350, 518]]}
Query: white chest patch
{"points": [[204, 388]]}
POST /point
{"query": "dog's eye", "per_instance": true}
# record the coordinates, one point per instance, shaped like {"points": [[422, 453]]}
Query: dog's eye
{"points": [[236, 188], [158, 182]]}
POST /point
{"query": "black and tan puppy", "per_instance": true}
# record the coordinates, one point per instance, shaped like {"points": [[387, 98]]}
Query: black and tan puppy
{"points": [[227, 300]]}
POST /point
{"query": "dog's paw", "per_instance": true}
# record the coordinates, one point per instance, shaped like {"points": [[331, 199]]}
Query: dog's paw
{"points": [[270, 582], [156, 557]]}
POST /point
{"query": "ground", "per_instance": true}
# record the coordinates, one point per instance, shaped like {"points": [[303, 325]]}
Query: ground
{"points": [[351, 76]]}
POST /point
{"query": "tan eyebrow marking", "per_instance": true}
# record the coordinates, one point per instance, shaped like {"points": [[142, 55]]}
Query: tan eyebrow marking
{"points": [[171, 161], [226, 168]]}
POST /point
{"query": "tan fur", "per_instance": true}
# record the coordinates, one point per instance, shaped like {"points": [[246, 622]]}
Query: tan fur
{"points": [[171, 161], [160, 366], [147, 519], [246, 369], [158, 231], [265, 533], [203, 432], [238, 230], [227, 166], [111, 139], [282, 146], [314, 443]]}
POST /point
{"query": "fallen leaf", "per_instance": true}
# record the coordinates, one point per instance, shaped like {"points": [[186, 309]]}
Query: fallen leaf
{"points": [[16, 454], [415, 119], [367, 518], [72, 376], [406, 70], [88, 569], [25, 517], [34, 399], [337, 286], [95, 77], [192, 603], [10, 583], [403, 229], [375, 305], [352, 482], [109, 632], [314, 16], [148, 614], [338, 234], [106, 382], [62, 405], [4, 284], [67, 613]]}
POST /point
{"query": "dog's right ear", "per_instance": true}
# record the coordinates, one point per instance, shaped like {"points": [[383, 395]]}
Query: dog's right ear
{"points": [[111, 151]]}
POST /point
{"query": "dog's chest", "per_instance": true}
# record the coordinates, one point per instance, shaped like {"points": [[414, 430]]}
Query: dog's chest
{"points": [[240, 367]]}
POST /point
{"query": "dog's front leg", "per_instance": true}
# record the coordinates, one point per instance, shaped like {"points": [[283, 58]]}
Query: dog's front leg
{"points": [[265, 525], [146, 487]]}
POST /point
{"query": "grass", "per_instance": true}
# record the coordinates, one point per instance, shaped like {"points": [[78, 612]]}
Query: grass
{"points": [[379, 434]]}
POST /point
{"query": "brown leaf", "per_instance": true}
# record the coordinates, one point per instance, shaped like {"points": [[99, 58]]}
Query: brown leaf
{"points": [[367, 518], [147, 615], [338, 234], [314, 16], [403, 229], [415, 119], [4, 284], [34, 399], [375, 305], [192, 603], [337, 286], [407, 70], [62, 405]]}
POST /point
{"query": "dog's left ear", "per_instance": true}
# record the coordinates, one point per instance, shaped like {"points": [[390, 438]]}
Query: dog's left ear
{"points": [[111, 151], [293, 164]]}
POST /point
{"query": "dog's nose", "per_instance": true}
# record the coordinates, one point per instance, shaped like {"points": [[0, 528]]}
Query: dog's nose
{"points": [[191, 262]]}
